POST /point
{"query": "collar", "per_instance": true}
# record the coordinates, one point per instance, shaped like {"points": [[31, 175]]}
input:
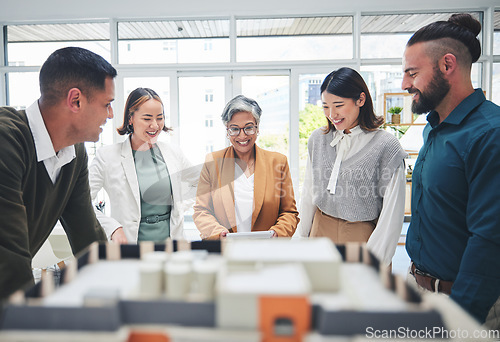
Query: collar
{"points": [[43, 143], [339, 135], [461, 111]]}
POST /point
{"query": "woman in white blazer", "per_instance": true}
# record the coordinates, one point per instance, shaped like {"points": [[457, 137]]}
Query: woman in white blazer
{"points": [[149, 183]]}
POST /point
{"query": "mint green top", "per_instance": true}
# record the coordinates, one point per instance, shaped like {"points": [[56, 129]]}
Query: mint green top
{"points": [[156, 193]]}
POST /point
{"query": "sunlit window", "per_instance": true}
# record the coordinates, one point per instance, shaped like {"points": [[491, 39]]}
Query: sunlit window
{"points": [[272, 93], [173, 41], [287, 39], [496, 33], [22, 40], [386, 35], [496, 83]]}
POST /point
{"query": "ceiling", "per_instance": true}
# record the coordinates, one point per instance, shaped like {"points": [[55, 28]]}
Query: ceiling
{"points": [[217, 28]]}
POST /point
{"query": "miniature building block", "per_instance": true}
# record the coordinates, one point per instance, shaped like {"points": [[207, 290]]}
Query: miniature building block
{"points": [[237, 302], [99, 297], [151, 282], [294, 312], [146, 247], [319, 257], [178, 280], [113, 251], [144, 336]]}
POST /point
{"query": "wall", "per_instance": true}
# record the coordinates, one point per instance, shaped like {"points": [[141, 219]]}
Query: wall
{"points": [[50, 10]]}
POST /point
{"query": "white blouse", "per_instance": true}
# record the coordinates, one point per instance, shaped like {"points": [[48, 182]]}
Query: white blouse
{"points": [[383, 241], [243, 199]]}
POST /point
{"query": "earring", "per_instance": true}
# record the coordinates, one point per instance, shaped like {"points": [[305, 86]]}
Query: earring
{"points": [[130, 127]]}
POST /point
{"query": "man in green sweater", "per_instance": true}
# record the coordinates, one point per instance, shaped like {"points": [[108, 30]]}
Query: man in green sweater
{"points": [[43, 162]]}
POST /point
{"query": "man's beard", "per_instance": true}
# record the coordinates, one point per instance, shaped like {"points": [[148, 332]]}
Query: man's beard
{"points": [[430, 98]]}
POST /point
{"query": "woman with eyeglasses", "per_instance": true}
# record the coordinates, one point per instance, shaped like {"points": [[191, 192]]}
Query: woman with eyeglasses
{"points": [[149, 183], [244, 188], [354, 187]]}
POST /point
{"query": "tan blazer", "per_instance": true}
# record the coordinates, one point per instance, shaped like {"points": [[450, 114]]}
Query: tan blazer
{"points": [[274, 202]]}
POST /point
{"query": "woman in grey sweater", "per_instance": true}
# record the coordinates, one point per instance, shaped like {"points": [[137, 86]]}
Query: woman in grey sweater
{"points": [[354, 187]]}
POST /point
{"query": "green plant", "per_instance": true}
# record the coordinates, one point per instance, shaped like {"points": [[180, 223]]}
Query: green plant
{"points": [[395, 110]]}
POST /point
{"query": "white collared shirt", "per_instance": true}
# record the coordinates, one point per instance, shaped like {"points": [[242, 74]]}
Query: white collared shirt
{"points": [[346, 147], [243, 199], [43, 144]]}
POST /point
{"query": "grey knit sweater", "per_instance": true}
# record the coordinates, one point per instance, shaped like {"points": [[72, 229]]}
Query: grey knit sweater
{"points": [[362, 180]]}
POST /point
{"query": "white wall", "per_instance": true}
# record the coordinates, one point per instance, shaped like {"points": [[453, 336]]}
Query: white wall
{"points": [[12, 11]]}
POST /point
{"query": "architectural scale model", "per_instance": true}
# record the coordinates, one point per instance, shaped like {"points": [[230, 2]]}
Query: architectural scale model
{"points": [[235, 290]]}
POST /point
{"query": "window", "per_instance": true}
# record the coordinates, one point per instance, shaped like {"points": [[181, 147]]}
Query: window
{"points": [[311, 115], [209, 123], [382, 79], [209, 96], [22, 40], [272, 94], [23, 89], [194, 111], [496, 83], [496, 33], [173, 41], [385, 36], [286, 39]]}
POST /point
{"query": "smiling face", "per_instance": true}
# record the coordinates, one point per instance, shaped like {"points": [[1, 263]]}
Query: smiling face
{"points": [[242, 143], [423, 79], [342, 112], [148, 122], [96, 111]]}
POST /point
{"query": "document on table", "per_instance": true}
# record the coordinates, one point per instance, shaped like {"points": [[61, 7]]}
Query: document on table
{"points": [[267, 234]]}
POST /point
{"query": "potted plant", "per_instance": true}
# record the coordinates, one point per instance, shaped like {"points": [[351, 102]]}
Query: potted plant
{"points": [[396, 114]]}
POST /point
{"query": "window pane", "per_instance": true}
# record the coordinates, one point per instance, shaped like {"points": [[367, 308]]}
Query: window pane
{"points": [[21, 54], [22, 40], [23, 89], [385, 36], [293, 48], [173, 41], [272, 95], [195, 110], [284, 39], [384, 45], [496, 33], [311, 116], [382, 79], [496, 83], [476, 72], [496, 43], [173, 51]]}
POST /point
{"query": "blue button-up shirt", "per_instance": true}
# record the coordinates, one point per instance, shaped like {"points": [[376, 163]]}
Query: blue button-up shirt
{"points": [[454, 232]]}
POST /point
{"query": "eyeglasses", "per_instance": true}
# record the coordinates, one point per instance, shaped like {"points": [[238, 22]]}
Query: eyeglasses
{"points": [[249, 130]]}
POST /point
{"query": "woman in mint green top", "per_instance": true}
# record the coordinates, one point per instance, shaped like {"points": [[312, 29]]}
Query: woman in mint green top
{"points": [[150, 183], [156, 194]]}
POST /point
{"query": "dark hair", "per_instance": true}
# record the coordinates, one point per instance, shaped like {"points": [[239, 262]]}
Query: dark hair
{"points": [[136, 99], [73, 67], [348, 83], [461, 30]]}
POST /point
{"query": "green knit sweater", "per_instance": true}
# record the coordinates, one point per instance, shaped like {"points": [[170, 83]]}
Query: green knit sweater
{"points": [[30, 204]]}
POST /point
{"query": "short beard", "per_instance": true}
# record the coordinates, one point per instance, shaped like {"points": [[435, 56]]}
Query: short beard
{"points": [[430, 98]]}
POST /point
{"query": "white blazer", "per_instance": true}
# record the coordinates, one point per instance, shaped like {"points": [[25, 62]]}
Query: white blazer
{"points": [[113, 169]]}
